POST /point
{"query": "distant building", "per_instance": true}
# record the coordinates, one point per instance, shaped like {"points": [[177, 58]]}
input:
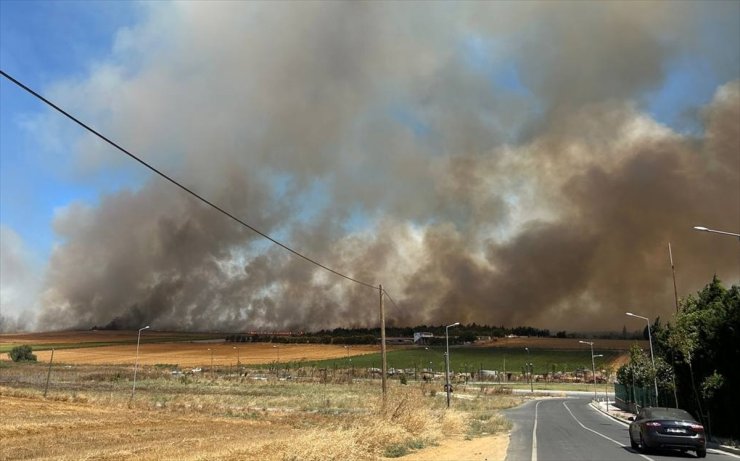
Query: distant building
{"points": [[398, 340], [422, 337]]}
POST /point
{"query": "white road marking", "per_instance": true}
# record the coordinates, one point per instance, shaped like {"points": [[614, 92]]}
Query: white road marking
{"points": [[720, 452], [534, 432], [597, 432]]}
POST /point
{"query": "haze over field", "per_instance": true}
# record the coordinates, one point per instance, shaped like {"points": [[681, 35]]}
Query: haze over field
{"points": [[500, 163]]}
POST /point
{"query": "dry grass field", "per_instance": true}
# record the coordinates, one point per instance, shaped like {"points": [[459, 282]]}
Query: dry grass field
{"points": [[224, 415], [225, 419], [193, 354], [183, 349]]}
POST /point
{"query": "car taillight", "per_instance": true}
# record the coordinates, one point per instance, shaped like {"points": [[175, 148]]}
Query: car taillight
{"points": [[697, 427], [652, 424]]}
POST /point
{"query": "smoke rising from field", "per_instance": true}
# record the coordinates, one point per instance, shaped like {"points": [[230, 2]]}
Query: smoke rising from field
{"points": [[487, 163]]}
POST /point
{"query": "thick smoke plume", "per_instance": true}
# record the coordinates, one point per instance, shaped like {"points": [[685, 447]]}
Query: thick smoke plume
{"points": [[380, 139]]}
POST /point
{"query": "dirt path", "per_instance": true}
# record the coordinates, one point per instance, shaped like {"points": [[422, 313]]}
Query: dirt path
{"points": [[491, 448]]}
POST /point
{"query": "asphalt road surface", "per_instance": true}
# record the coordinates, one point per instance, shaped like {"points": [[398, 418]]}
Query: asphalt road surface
{"points": [[571, 430]]}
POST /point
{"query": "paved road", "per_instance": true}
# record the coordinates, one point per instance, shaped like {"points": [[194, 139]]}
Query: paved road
{"points": [[571, 430]]}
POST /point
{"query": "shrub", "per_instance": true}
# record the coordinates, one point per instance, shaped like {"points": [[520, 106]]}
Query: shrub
{"points": [[22, 353]]}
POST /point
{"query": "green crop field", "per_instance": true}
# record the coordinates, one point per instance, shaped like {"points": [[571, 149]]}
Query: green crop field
{"points": [[469, 359]]}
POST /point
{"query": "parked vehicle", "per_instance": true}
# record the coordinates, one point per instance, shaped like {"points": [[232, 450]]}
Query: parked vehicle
{"points": [[674, 428]]}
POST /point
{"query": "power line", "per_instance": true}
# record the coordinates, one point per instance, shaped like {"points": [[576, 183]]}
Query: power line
{"points": [[398, 309], [184, 188]]}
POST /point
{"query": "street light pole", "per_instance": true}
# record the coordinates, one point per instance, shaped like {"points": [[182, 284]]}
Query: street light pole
{"points": [[447, 361], [704, 229], [529, 371], [606, 386], [136, 363], [652, 357], [593, 364], [211, 362], [349, 362]]}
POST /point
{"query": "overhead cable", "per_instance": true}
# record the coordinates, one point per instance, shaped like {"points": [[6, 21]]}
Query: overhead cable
{"points": [[184, 188]]}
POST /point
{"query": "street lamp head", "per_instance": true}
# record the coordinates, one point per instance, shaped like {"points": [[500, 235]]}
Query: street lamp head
{"points": [[701, 228], [145, 328], [453, 325], [630, 314], [590, 343]]}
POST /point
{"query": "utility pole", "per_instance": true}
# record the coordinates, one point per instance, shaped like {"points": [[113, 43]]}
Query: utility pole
{"points": [[48, 374], [675, 296], [384, 365], [673, 270]]}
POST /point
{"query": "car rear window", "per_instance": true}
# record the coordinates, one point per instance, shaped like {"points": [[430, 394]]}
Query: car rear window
{"points": [[668, 413]]}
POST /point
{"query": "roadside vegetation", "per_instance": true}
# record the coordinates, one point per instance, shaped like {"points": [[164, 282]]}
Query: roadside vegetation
{"points": [[696, 357]]}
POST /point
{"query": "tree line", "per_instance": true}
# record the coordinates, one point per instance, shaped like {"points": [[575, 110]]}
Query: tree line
{"points": [[696, 358]]}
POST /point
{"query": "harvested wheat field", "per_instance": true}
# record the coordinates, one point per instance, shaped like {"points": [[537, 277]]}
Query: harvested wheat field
{"points": [[96, 336], [257, 421], [34, 428], [189, 354], [99, 347]]}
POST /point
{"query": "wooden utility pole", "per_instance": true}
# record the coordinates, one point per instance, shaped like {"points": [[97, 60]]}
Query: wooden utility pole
{"points": [[384, 366], [48, 373]]}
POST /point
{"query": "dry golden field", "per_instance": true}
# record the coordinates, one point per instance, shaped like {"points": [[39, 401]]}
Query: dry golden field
{"points": [[224, 419], [170, 348], [199, 354], [302, 414]]}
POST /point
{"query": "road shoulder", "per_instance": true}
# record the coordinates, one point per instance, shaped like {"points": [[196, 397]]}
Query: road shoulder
{"points": [[491, 448]]}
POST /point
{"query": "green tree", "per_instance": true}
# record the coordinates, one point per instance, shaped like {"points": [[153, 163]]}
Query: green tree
{"points": [[703, 344], [22, 353]]}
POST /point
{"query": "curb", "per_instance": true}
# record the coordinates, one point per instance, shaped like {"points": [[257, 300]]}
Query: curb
{"points": [[614, 417], [712, 445]]}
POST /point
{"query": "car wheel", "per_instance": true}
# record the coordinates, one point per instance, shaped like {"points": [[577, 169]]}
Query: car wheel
{"points": [[634, 444], [701, 453], [643, 446]]}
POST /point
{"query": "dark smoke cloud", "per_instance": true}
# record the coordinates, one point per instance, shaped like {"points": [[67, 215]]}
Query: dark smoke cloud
{"points": [[365, 136]]}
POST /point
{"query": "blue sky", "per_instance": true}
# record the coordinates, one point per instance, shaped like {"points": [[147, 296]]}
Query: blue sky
{"points": [[49, 43], [42, 43]]}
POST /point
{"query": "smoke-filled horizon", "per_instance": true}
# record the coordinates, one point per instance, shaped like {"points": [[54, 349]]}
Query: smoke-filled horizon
{"points": [[488, 163]]}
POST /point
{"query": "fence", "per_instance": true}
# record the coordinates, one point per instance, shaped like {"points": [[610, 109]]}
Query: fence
{"points": [[632, 398]]}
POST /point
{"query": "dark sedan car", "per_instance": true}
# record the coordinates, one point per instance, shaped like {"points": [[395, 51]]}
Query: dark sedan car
{"points": [[667, 428]]}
